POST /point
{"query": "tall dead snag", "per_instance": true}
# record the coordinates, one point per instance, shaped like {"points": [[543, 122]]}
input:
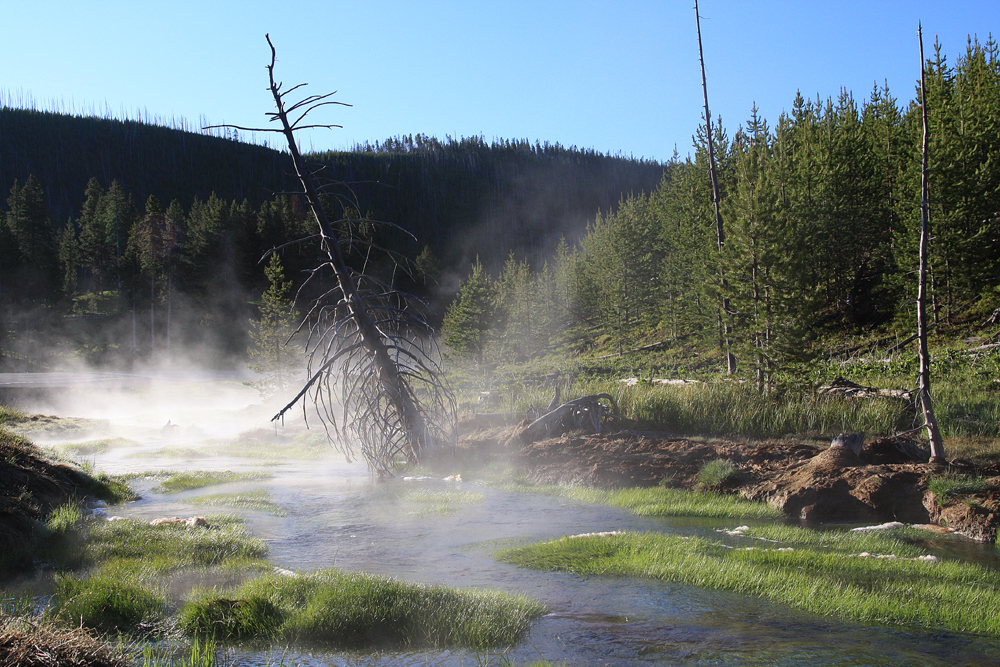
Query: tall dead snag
{"points": [[372, 361], [725, 329], [924, 387]]}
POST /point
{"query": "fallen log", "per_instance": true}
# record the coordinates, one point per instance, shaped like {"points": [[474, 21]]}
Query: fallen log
{"points": [[587, 413]]}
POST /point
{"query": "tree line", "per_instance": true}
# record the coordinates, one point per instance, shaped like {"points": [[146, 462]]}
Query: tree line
{"points": [[151, 263], [822, 217]]}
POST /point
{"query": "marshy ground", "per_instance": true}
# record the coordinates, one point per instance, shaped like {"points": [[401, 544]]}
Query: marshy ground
{"points": [[283, 499]]}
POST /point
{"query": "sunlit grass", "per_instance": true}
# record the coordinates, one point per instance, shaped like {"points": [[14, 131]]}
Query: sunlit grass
{"points": [[440, 502], [115, 597], [662, 501], [186, 481], [91, 447], [352, 610], [254, 499], [951, 485], [173, 546], [265, 443], [836, 581]]}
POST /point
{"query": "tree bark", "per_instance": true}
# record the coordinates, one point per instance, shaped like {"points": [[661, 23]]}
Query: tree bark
{"points": [[924, 386]]}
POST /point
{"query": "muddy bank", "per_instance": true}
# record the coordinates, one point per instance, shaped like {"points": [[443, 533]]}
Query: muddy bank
{"points": [[885, 481], [31, 486]]}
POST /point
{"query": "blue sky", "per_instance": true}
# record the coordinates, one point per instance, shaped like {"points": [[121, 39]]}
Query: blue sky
{"points": [[618, 77]]}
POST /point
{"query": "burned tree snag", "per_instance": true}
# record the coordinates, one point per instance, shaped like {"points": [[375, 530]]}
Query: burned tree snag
{"points": [[924, 386], [372, 369], [725, 328]]}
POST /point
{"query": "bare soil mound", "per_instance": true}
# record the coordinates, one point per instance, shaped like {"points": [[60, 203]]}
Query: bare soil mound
{"points": [[886, 481]]}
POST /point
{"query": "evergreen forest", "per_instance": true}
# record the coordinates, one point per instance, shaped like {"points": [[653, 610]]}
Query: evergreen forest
{"points": [[821, 215], [123, 240]]}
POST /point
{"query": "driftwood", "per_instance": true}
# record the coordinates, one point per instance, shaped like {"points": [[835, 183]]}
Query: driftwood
{"points": [[587, 413]]}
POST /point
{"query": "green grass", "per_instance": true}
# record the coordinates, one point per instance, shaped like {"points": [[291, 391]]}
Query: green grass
{"points": [[716, 474], [834, 581], [91, 447], [174, 452], [951, 485], [255, 499], [171, 547], [664, 501], [114, 598], [131, 563], [185, 481], [441, 502], [113, 489], [967, 404], [198, 654], [332, 608], [11, 415]]}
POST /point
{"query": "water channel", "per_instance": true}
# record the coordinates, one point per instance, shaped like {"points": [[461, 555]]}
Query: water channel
{"points": [[337, 515]]}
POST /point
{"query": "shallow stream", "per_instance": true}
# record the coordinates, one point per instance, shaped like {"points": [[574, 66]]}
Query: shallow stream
{"points": [[333, 514]]}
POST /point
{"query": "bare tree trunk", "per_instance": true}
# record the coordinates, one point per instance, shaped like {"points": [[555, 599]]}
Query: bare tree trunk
{"points": [[725, 327], [365, 341], [933, 434]]}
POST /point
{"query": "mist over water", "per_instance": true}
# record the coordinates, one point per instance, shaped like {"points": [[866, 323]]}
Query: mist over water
{"points": [[324, 511]]}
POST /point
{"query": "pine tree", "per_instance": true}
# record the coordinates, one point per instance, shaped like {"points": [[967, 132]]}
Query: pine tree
{"points": [[271, 354], [69, 257], [34, 241], [470, 318]]}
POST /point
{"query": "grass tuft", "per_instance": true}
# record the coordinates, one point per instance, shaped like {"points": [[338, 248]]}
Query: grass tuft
{"points": [[114, 598], [716, 474], [950, 485], [352, 610], [31, 642]]}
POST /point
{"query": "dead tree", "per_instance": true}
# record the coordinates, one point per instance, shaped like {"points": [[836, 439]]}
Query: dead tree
{"points": [[373, 370], [924, 386], [725, 328]]}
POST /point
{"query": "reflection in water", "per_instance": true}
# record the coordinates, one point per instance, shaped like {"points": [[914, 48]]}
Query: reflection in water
{"points": [[338, 516]]}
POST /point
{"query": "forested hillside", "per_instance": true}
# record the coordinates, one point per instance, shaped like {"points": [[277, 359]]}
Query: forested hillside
{"points": [[156, 233], [821, 217]]}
